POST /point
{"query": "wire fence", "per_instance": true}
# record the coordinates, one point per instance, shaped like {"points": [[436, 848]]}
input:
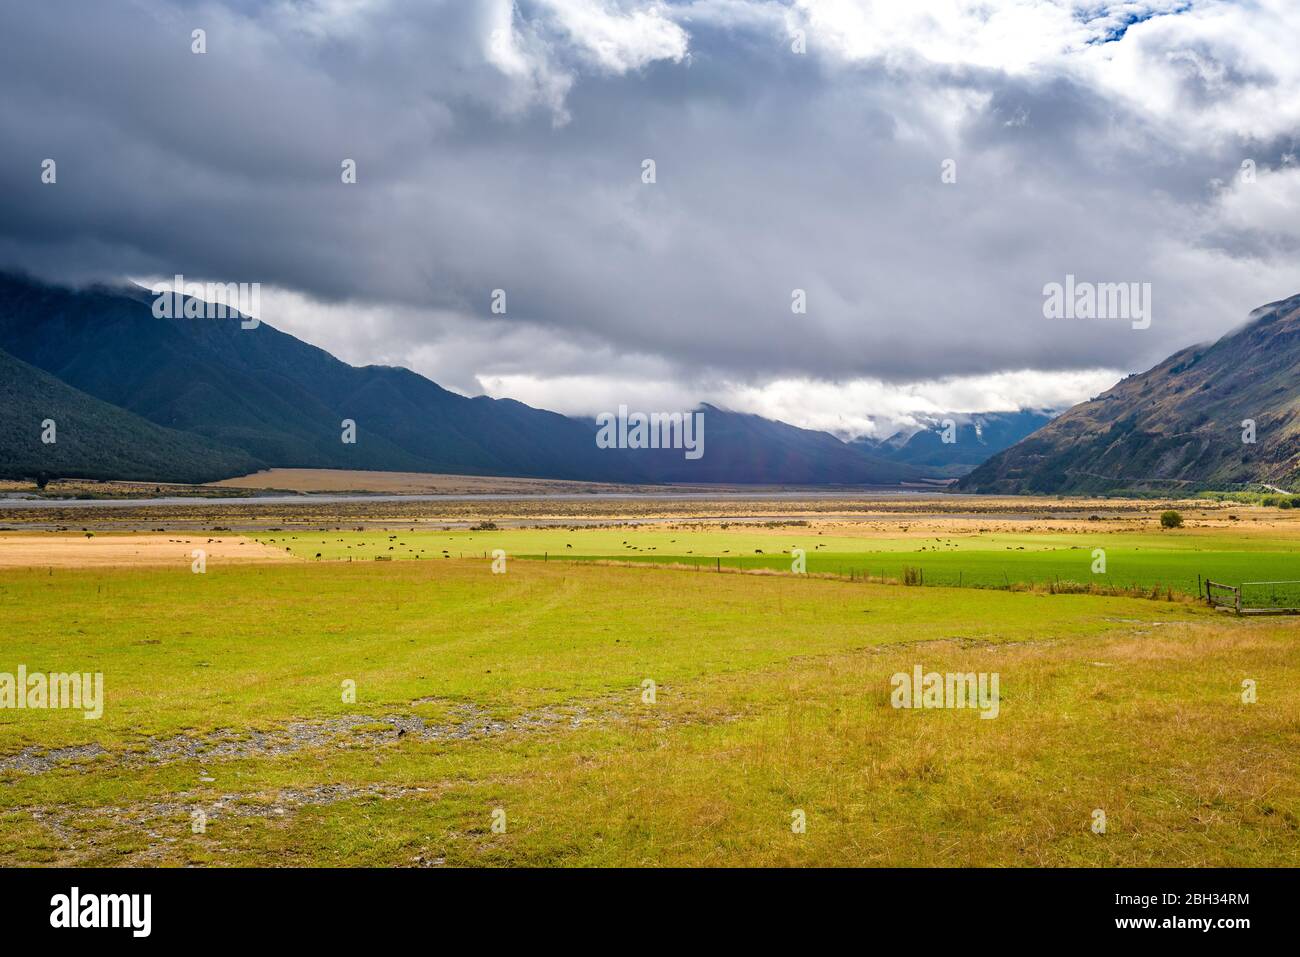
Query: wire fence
{"points": [[1277, 595]]}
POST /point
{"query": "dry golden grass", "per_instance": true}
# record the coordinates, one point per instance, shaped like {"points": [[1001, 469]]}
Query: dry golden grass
{"points": [[126, 551]]}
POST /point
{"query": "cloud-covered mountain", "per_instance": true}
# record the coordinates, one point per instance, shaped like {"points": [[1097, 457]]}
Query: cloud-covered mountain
{"points": [[974, 437], [268, 399], [500, 145], [1212, 415]]}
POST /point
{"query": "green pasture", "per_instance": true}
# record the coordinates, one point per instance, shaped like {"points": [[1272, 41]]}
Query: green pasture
{"points": [[773, 696], [1177, 559], [242, 644]]}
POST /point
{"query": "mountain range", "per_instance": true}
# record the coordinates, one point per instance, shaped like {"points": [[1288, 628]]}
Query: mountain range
{"points": [[971, 438], [137, 396], [134, 396], [1215, 415]]}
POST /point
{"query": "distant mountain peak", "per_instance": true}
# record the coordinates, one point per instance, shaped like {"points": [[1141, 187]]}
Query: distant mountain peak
{"points": [[976, 436]]}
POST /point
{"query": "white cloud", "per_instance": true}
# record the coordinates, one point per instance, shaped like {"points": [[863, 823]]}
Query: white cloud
{"points": [[1215, 71], [619, 39], [497, 359], [537, 52], [1114, 161], [1269, 205], [1013, 35], [1213, 68], [878, 409]]}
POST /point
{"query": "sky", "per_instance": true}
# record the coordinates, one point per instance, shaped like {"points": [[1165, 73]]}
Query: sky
{"points": [[919, 171]]}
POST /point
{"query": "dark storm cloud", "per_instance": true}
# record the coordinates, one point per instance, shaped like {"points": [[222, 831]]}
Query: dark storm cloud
{"points": [[520, 170]]}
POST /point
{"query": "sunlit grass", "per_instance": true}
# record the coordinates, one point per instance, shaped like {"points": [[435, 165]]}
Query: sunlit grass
{"points": [[1179, 559], [772, 694]]}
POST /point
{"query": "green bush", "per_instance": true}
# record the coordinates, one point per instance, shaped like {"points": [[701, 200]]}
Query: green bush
{"points": [[1171, 519]]}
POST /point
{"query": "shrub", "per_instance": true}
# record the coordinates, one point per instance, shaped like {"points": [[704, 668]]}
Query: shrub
{"points": [[1285, 503], [1171, 519]]}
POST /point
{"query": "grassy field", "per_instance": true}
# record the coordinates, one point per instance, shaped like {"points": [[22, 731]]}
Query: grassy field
{"points": [[1176, 559], [522, 695]]}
